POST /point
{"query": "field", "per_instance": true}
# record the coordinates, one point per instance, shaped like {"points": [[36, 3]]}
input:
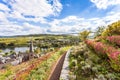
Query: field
{"points": [[38, 40]]}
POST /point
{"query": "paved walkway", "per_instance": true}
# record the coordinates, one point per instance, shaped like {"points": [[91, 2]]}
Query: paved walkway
{"points": [[61, 70], [57, 70], [65, 69]]}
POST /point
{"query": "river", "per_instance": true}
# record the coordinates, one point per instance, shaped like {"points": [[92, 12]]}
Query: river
{"points": [[16, 49], [19, 49]]}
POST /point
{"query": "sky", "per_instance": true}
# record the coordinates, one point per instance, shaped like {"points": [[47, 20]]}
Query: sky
{"points": [[23, 17]]}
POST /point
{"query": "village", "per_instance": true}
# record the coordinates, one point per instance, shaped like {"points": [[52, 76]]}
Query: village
{"points": [[17, 58]]}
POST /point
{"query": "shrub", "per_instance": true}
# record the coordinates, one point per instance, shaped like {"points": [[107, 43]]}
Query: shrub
{"points": [[83, 35], [114, 39], [112, 29], [112, 53]]}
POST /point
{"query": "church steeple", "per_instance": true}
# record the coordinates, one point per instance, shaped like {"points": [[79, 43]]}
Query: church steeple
{"points": [[31, 46]]}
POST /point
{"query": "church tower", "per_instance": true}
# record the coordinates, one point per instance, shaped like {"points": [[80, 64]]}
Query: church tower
{"points": [[31, 55], [31, 46]]}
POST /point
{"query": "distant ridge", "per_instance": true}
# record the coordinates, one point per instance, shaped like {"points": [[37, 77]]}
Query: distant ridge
{"points": [[5, 36], [36, 35]]}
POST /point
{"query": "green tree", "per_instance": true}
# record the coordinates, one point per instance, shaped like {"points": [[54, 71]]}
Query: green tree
{"points": [[112, 29], [37, 50], [6, 54], [83, 35], [11, 44], [12, 52], [99, 31], [3, 45]]}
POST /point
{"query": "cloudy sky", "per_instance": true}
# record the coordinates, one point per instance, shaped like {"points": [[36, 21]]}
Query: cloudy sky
{"points": [[21, 17]]}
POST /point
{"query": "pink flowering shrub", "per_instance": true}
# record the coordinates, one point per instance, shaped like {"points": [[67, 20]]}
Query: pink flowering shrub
{"points": [[112, 53], [114, 39], [110, 49], [104, 49], [99, 47], [89, 43]]}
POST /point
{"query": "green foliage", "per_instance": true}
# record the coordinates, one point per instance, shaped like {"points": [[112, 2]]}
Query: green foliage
{"points": [[3, 45], [9, 53], [99, 31], [11, 45], [0, 50], [83, 35], [14, 41], [37, 50], [114, 65], [85, 64], [6, 54], [6, 74], [12, 52], [44, 41], [113, 29]]}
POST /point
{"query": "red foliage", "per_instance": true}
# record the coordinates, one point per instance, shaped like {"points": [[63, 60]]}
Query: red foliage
{"points": [[104, 49], [115, 55], [114, 39], [100, 47]]}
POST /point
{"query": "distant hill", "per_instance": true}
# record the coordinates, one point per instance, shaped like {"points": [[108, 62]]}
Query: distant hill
{"points": [[35, 35], [5, 36]]}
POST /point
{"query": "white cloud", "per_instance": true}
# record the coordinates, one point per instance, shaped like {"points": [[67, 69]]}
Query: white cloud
{"points": [[4, 7], [14, 29], [36, 10], [39, 9], [3, 10], [3, 18], [69, 24], [74, 24], [104, 4], [22, 9], [57, 7], [69, 19]]}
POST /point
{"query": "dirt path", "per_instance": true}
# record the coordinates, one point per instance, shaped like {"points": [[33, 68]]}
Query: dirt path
{"points": [[57, 69]]}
